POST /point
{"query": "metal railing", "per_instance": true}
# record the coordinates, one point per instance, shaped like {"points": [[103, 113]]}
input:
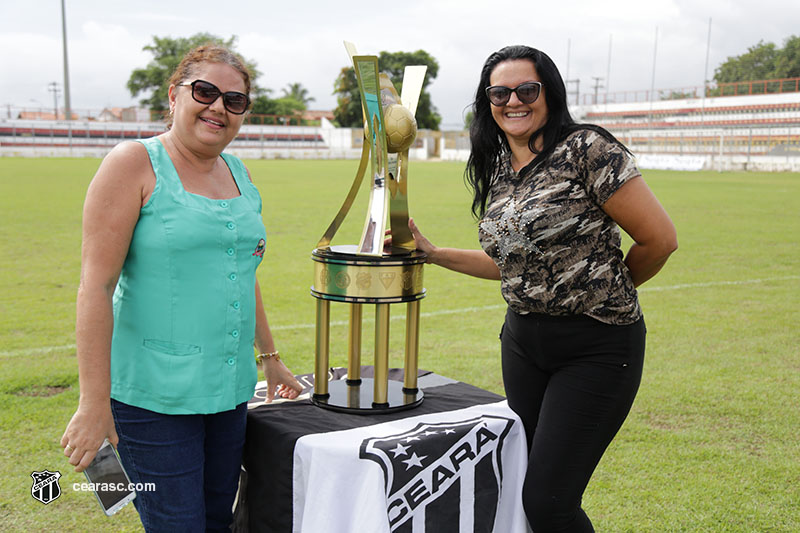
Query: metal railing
{"points": [[742, 88]]}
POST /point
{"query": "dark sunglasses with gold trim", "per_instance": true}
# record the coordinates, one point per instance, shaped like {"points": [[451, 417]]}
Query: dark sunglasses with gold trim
{"points": [[207, 93], [527, 93]]}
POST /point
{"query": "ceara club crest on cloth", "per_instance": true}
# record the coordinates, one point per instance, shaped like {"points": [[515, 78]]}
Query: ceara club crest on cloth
{"points": [[45, 486], [443, 476]]}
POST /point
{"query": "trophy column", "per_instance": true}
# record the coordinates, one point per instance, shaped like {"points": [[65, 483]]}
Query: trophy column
{"points": [[341, 275], [368, 273]]}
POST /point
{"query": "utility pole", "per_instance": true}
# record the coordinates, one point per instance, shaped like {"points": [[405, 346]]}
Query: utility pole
{"points": [[597, 86], [55, 89], [577, 90]]}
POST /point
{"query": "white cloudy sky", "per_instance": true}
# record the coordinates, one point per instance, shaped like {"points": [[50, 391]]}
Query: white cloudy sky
{"points": [[301, 41]]}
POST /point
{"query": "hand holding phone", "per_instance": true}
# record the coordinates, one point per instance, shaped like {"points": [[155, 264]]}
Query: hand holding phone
{"points": [[108, 480]]}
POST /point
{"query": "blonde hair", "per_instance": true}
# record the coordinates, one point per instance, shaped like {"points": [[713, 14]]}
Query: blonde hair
{"points": [[208, 53]]}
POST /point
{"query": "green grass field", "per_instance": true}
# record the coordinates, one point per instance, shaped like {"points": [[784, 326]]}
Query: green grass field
{"points": [[711, 444]]}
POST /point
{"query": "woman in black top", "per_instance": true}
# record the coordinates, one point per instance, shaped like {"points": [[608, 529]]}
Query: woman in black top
{"points": [[551, 195]]}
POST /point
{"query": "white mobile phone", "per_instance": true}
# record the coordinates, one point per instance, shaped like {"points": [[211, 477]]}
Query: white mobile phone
{"points": [[108, 480]]}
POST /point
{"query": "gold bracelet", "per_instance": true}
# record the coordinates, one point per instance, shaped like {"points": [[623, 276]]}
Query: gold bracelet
{"points": [[266, 356]]}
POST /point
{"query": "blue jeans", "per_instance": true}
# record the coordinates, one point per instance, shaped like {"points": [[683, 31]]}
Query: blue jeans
{"points": [[193, 460]]}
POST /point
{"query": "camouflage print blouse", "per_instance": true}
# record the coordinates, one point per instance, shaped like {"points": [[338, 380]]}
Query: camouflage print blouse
{"points": [[558, 251]]}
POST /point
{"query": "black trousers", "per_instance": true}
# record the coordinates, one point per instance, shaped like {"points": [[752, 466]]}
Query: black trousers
{"points": [[572, 381]]}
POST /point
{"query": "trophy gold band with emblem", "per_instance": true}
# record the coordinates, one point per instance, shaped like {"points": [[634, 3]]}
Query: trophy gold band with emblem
{"points": [[367, 273]]}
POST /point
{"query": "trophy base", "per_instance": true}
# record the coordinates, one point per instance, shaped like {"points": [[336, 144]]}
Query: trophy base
{"points": [[342, 275], [358, 398]]}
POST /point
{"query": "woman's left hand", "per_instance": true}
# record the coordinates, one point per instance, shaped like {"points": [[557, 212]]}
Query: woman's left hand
{"points": [[280, 380]]}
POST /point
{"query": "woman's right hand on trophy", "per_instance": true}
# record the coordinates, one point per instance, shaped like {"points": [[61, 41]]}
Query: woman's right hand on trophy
{"points": [[420, 241]]}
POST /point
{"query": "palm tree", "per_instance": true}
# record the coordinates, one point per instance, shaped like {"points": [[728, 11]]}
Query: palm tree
{"points": [[299, 93]]}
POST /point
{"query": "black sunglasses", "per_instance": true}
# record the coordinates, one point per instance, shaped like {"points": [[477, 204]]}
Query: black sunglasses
{"points": [[527, 93], [207, 93]]}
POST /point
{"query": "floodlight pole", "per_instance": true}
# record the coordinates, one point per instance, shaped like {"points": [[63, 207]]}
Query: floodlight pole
{"points": [[569, 43], [652, 92], [705, 75], [608, 68], [67, 106]]}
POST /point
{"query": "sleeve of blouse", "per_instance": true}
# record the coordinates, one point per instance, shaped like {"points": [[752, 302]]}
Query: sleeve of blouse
{"points": [[234, 161], [607, 166]]}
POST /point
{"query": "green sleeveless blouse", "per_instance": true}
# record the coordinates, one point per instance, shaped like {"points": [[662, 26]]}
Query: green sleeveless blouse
{"points": [[184, 306]]}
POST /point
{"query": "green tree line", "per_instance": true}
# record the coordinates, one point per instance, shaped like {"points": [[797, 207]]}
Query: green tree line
{"points": [[152, 81], [762, 61]]}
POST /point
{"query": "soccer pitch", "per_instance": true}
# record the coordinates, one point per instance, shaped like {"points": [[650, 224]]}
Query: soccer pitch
{"points": [[711, 444]]}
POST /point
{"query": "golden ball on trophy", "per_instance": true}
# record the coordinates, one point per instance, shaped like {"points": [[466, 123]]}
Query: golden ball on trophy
{"points": [[401, 128]]}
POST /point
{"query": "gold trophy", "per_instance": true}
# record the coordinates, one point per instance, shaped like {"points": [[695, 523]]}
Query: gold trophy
{"points": [[367, 273]]}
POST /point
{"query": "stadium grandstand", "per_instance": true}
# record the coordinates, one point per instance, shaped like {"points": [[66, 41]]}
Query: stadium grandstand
{"points": [[92, 137], [744, 126]]}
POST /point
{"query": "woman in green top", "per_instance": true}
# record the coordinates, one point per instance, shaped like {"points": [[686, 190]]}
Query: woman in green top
{"points": [[169, 307]]}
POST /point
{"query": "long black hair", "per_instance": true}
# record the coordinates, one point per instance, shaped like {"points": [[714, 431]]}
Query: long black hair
{"points": [[488, 140]]}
